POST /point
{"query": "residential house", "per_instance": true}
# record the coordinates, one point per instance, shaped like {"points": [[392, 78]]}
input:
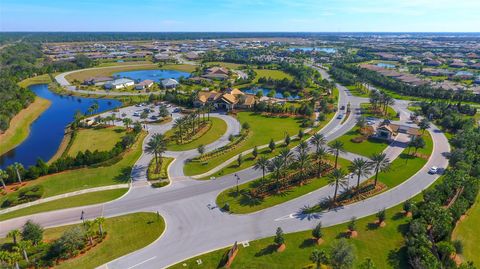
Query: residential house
{"points": [[169, 83], [228, 100], [388, 131], [144, 85], [97, 80], [119, 84], [220, 73]]}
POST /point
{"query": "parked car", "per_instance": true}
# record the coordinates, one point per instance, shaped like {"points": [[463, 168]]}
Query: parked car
{"points": [[136, 114], [342, 108], [176, 110], [340, 116], [433, 170]]}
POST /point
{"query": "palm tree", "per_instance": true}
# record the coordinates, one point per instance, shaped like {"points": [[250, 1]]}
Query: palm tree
{"points": [[302, 147], [14, 234], [99, 221], [127, 122], [337, 178], [18, 166], [380, 163], [335, 148], [360, 167], [319, 155], [201, 149], [3, 176], [276, 166], [157, 146], [319, 257], [23, 246], [424, 125], [303, 159], [178, 124], [286, 155], [262, 164], [13, 259], [89, 232], [318, 140]]}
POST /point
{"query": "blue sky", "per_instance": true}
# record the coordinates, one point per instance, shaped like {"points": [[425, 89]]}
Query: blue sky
{"points": [[241, 15]]}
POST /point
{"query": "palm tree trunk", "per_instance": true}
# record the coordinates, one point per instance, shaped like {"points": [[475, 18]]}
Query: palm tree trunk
{"points": [[3, 184], [156, 163], [335, 194], [358, 182], [18, 175], [376, 177], [25, 255], [336, 159]]}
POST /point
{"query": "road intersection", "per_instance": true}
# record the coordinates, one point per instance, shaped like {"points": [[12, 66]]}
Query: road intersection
{"points": [[194, 226]]}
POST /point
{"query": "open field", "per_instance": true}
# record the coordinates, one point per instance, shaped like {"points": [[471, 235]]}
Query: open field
{"points": [[365, 148], [273, 74], [101, 139], [85, 178], [467, 232], [262, 128], [240, 205], [42, 79], [217, 128], [20, 124], [74, 201], [108, 71], [125, 234]]}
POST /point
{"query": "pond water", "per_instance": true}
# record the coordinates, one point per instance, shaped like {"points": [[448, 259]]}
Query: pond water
{"points": [[308, 49], [386, 65], [155, 75], [266, 91], [46, 133]]}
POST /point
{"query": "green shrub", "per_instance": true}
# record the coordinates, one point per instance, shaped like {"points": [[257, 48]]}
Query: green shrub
{"points": [[160, 184]]}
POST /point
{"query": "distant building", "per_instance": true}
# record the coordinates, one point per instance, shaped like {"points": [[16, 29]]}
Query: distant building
{"points": [[169, 83], [477, 80], [119, 84], [97, 80], [144, 85], [463, 75], [220, 73], [387, 131]]}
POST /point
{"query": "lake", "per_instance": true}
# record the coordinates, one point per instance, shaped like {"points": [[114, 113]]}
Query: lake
{"points": [[308, 49], [46, 133], [266, 91], [155, 75]]}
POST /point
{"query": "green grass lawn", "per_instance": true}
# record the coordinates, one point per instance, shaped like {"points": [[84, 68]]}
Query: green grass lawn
{"points": [[365, 148], [240, 205], [74, 201], [217, 129], [179, 67], [108, 71], [86, 178], [163, 173], [262, 128], [42, 79], [249, 161], [467, 232], [357, 92], [401, 169], [125, 234], [101, 139], [273, 74], [368, 112], [19, 128]]}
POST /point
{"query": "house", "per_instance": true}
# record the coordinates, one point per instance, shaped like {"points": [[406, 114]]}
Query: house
{"points": [[387, 131], [463, 75], [220, 73], [227, 100], [169, 83], [477, 80], [144, 85], [97, 80], [119, 84]]}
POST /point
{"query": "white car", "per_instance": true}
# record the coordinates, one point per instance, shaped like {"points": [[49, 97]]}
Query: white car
{"points": [[433, 170]]}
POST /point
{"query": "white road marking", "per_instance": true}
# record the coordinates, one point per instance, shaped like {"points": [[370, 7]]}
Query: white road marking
{"points": [[140, 263], [290, 216]]}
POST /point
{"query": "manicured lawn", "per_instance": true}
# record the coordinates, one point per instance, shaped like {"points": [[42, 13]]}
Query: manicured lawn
{"points": [[74, 201], [179, 67], [357, 92], [108, 71], [86, 178], [225, 64], [248, 159], [125, 234], [101, 139], [401, 169], [273, 74], [467, 232], [365, 148], [262, 128], [217, 129], [163, 173], [240, 205], [42, 79], [19, 128], [368, 112]]}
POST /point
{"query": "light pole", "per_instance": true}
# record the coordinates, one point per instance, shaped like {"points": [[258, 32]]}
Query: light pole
{"points": [[238, 179], [82, 217]]}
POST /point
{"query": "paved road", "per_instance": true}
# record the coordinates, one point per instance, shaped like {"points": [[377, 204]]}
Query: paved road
{"points": [[195, 225]]}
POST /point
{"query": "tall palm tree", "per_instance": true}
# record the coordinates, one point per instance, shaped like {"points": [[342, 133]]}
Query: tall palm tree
{"points": [[318, 140], [24, 246], [127, 122], [178, 124], [99, 221], [89, 232], [303, 159], [15, 235], [319, 257], [17, 167], [380, 163], [286, 155], [319, 155], [3, 176], [157, 146], [337, 178], [360, 167], [336, 148], [302, 147], [262, 164], [424, 125], [276, 166]]}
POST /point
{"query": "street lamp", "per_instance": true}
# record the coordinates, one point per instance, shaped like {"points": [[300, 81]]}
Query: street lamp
{"points": [[82, 217], [238, 179]]}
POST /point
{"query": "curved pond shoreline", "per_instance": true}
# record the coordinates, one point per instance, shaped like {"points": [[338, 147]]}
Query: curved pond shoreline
{"points": [[47, 131]]}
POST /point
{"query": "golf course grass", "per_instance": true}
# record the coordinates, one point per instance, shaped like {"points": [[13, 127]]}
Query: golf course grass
{"points": [[19, 128], [467, 232], [101, 139], [74, 201], [273, 74], [85, 178], [217, 128], [262, 129], [239, 205]]}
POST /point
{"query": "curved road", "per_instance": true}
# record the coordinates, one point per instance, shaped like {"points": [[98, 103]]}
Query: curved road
{"points": [[195, 225]]}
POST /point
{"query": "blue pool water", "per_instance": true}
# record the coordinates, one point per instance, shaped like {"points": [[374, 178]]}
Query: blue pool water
{"points": [[155, 75], [308, 49], [46, 133], [266, 91]]}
